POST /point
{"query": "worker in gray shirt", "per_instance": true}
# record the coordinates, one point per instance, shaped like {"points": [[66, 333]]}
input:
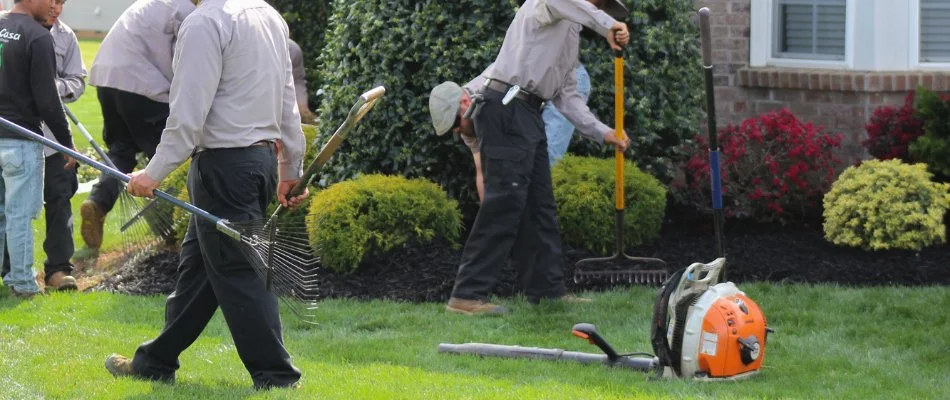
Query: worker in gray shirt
{"points": [[232, 101], [133, 73], [300, 82], [536, 64], [59, 181]]}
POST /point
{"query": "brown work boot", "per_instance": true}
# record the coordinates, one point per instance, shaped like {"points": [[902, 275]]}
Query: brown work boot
{"points": [[118, 366], [61, 281], [474, 307], [92, 220]]}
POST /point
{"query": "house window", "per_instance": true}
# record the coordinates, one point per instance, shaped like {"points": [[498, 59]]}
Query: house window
{"points": [[811, 29], [934, 31]]}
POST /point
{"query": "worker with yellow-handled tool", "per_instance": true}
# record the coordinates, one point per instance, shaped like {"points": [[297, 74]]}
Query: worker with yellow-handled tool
{"points": [[536, 64]]}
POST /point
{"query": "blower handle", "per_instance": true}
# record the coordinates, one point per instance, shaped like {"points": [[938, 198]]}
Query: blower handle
{"points": [[589, 332], [714, 162]]}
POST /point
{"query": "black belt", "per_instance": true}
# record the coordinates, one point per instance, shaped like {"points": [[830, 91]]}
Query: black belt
{"points": [[502, 87], [269, 143]]}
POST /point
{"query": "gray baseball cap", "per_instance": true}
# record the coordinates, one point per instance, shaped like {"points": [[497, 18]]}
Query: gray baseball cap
{"points": [[444, 106], [616, 9]]}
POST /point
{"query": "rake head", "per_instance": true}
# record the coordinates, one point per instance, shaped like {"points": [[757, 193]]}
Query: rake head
{"points": [[280, 253], [612, 270], [143, 224]]}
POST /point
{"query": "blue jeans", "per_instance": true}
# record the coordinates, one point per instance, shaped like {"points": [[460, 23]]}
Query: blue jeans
{"points": [[557, 128], [21, 199]]}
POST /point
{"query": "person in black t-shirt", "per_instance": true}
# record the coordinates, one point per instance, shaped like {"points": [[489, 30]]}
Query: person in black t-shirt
{"points": [[28, 96]]}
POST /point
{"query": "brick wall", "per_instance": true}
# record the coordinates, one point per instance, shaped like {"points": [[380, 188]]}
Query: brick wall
{"points": [[841, 101]]}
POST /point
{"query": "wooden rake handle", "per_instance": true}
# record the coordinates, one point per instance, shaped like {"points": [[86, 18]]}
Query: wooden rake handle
{"points": [[364, 103]]}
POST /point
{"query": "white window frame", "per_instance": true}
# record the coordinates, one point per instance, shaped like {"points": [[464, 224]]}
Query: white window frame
{"points": [[914, 45], [763, 34]]}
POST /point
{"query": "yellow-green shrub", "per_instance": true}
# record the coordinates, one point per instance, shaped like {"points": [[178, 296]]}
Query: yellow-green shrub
{"points": [[584, 191], [882, 205], [352, 220]]}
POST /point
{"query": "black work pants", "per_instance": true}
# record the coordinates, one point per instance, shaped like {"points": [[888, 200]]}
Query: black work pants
{"points": [[59, 186], [518, 216], [132, 124], [235, 184]]}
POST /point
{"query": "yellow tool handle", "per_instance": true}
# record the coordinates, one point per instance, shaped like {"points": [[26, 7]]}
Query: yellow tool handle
{"points": [[618, 125]]}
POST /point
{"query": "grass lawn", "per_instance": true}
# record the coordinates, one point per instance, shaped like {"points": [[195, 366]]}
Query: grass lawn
{"points": [[831, 342]]}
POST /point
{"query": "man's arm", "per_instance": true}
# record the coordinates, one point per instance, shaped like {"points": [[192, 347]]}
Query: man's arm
{"points": [[479, 177], [197, 68], [579, 11], [571, 103], [71, 83], [42, 81]]}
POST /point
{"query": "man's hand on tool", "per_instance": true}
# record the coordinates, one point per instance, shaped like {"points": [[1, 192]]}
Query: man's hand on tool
{"points": [[618, 36], [70, 162], [283, 190], [611, 139], [142, 185]]}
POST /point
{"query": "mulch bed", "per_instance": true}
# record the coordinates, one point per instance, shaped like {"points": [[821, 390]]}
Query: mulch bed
{"points": [[755, 252]]}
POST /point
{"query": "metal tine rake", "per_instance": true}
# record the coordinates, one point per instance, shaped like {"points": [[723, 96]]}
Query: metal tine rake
{"points": [[138, 236], [639, 276]]}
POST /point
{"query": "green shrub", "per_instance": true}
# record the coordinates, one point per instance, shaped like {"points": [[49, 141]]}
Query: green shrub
{"points": [[308, 23], [584, 191], [882, 205], [411, 46], [350, 221], [933, 148]]}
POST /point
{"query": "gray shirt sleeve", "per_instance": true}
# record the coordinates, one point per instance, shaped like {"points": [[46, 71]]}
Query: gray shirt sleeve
{"points": [[300, 73], [71, 79], [580, 11], [290, 159], [571, 103], [197, 68]]}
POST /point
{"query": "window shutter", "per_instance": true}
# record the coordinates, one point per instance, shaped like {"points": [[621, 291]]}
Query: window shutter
{"points": [[812, 27], [934, 30]]}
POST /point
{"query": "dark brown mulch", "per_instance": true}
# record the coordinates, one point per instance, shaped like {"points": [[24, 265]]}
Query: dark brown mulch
{"points": [[755, 252], [154, 273]]}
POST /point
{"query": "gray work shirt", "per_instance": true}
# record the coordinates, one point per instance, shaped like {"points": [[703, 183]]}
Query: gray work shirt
{"points": [[233, 87], [540, 54], [300, 74], [136, 55], [70, 71]]}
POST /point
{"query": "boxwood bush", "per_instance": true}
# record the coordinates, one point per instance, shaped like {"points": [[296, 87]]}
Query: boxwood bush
{"points": [[352, 220], [584, 191], [882, 205], [411, 46]]}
